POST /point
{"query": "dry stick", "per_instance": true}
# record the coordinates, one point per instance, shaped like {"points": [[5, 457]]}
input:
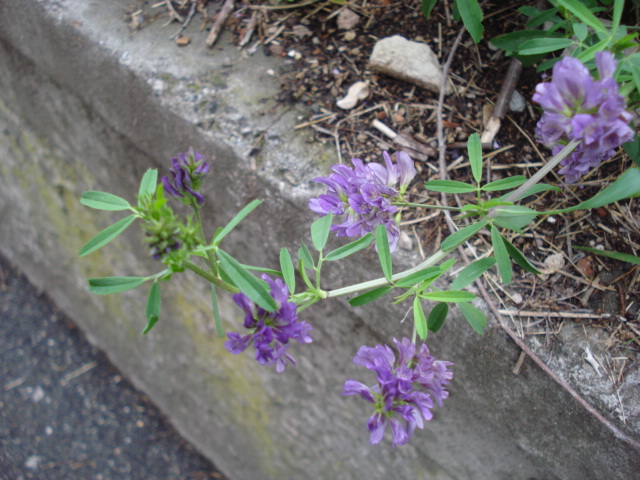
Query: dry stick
{"points": [[251, 26], [500, 107], [481, 288], [185, 24], [173, 11], [224, 13]]}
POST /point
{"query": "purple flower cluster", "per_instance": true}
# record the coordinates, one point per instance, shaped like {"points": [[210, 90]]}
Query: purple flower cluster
{"points": [[577, 107], [365, 195], [270, 331], [188, 172], [403, 397]]}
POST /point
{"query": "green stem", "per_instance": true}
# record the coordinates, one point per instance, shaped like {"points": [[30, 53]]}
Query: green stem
{"points": [[218, 282], [536, 177], [422, 205], [380, 282], [211, 259]]}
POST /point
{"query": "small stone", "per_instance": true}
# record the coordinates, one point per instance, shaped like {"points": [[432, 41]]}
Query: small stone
{"points": [[183, 41], [276, 49], [300, 31], [347, 19], [33, 462], [517, 102], [553, 263], [409, 61], [584, 266], [356, 93], [349, 35]]}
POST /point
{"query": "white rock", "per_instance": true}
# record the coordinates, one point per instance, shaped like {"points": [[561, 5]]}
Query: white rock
{"points": [[517, 102], [347, 19], [357, 92], [553, 263], [409, 61]]}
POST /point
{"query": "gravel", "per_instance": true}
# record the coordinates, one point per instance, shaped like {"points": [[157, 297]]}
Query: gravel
{"points": [[66, 412]]}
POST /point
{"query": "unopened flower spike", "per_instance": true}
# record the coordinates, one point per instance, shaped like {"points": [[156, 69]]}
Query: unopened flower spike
{"points": [[578, 107], [364, 195], [270, 332], [405, 390], [187, 174]]}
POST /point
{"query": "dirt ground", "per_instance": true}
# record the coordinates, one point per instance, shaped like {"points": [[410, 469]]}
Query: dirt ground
{"points": [[581, 315]]}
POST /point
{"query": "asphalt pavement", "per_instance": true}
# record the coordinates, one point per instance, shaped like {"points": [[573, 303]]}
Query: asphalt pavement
{"points": [[66, 413]]}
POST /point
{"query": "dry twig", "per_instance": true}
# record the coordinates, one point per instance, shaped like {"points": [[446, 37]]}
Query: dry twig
{"points": [[223, 14]]}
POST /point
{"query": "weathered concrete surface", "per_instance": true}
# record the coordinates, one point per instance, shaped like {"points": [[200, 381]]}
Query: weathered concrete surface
{"points": [[84, 105]]}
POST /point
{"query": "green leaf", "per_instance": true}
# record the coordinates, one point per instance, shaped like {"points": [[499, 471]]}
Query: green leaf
{"points": [[519, 258], [635, 73], [148, 183], [108, 285], [269, 271], [514, 217], [104, 201], [305, 255], [235, 221], [540, 18], [462, 235], [320, 231], [427, 6], [449, 186], [471, 14], [581, 11], [288, 272], [504, 184], [437, 316], [216, 311], [153, 307], [106, 235], [449, 296], [626, 185], [502, 257], [633, 148], [476, 318], [471, 272], [581, 31], [419, 320], [511, 42], [589, 53], [384, 254], [624, 257], [544, 45], [370, 296], [255, 289], [429, 273], [350, 248], [474, 149]]}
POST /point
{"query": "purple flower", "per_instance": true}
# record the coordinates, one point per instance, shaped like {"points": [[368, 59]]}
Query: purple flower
{"points": [[188, 172], [269, 332], [364, 195], [577, 107], [403, 396]]}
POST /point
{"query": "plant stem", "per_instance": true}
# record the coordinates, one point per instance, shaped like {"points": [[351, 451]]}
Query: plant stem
{"points": [[536, 177], [422, 205], [218, 282], [211, 260], [380, 282]]}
